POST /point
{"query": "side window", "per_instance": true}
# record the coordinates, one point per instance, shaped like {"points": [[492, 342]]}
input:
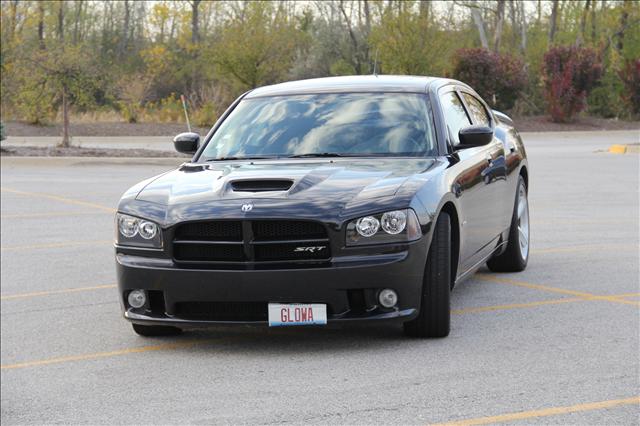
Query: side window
{"points": [[477, 111], [454, 115]]}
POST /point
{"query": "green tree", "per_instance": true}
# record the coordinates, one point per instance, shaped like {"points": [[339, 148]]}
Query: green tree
{"points": [[66, 77], [410, 42], [257, 47]]}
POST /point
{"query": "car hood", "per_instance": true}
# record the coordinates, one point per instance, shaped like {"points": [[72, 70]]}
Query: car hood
{"points": [[316, 186]]}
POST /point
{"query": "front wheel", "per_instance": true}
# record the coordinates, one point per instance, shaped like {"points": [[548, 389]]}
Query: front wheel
{"points": [[516, 255], [435, 308], [155, 330]]}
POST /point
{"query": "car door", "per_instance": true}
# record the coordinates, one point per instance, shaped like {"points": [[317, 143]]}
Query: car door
{"points": [[476, 183], [496, 172]]}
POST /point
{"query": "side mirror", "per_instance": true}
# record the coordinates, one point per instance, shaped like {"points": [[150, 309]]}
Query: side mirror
{"points": [[187, 143], [473, 136]]}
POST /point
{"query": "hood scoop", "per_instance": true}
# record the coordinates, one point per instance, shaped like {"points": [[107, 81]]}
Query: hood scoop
{"points": [[261, 185]]}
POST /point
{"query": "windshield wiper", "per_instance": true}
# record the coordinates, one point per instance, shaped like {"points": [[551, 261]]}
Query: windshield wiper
{"points": [[255, 157], [318, 154]]}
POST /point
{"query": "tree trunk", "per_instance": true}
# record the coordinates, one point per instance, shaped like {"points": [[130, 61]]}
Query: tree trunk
{"points": [[499, 23], [593, 22], [523, 28], [553, 22], [13, 7], [367, 31], [76, 23], [61, 21], [425, 8], [477, 18], [173, 29], [513, 14], [41, 25], [624, 17], [367, 17], [124, 40], [583, 24], [65, 119], [195, 34], [352, 36]]}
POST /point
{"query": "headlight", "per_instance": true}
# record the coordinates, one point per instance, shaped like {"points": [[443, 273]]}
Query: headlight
{"points": [[395, 226], [133, 231], [367, 226], [394, 222]]}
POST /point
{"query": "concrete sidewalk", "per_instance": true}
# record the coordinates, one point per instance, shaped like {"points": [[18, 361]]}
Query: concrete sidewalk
{"points": [[599, 139]]}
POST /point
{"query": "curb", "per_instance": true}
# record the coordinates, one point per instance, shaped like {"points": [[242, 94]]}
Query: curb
{"points": [[624, 149], [9, 161]]}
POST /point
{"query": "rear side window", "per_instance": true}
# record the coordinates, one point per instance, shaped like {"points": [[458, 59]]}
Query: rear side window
{"points": [[477, 111], [454, 115]]}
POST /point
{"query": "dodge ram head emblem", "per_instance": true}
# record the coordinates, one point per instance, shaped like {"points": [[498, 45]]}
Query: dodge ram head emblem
{"points": [[311, 249], [246, 207]]}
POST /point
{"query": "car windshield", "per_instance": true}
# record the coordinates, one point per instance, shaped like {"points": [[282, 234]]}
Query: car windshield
{"points": [[326, 125]]}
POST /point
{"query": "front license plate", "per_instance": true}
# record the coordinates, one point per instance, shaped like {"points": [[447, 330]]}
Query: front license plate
{"points": [[297, 314]]}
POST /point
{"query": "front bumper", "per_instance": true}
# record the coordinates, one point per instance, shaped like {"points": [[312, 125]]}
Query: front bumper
{"points": [[348, 286]]}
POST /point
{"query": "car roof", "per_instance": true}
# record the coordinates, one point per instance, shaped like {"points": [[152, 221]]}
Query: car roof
{"points": [[358, 83]]}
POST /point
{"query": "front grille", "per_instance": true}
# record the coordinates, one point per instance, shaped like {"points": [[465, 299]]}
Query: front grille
{"points": [[208, 252], [210, 231], [222, 311], [288, 230], [251, 242]]}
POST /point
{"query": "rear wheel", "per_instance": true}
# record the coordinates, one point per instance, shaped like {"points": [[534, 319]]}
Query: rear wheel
{"points": [[435, 309], [516, 255], [155, 330]]}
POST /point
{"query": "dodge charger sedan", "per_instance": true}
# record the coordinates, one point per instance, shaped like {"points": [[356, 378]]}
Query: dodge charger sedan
{"points": [[331, 200]]}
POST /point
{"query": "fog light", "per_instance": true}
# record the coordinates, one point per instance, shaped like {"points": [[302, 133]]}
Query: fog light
{"points": [[388, 298], [137, 299]]}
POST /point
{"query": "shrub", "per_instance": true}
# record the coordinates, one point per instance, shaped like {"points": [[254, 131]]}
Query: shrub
{"points": [[630, 76], [2, 135], [130, 111], [604, 99], [170, 109], [34, 106], [206, 116], [569, 73], [499, 79]]}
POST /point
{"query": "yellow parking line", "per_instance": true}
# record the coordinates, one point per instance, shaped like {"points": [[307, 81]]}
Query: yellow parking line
{"points": [[50, 292], [186, 344], [587, 296], [621, 296], [52, 214], [58, 198], [57, 245], [554, 411], [516, 306], [100, 355]]}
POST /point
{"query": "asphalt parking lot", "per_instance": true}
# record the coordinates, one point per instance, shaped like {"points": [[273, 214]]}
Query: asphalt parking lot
{"points": [[558, 343]]}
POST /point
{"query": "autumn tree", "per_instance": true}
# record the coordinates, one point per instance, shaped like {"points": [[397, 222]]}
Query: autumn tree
{"points": [[256, 47], [65, 77]]}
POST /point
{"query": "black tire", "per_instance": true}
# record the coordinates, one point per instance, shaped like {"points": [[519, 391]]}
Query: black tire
{"points": [[155, 330], [512, 259], [435, 309]]}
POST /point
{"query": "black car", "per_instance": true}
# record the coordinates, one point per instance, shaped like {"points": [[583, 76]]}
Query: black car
{"points": [[328, 200]]}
